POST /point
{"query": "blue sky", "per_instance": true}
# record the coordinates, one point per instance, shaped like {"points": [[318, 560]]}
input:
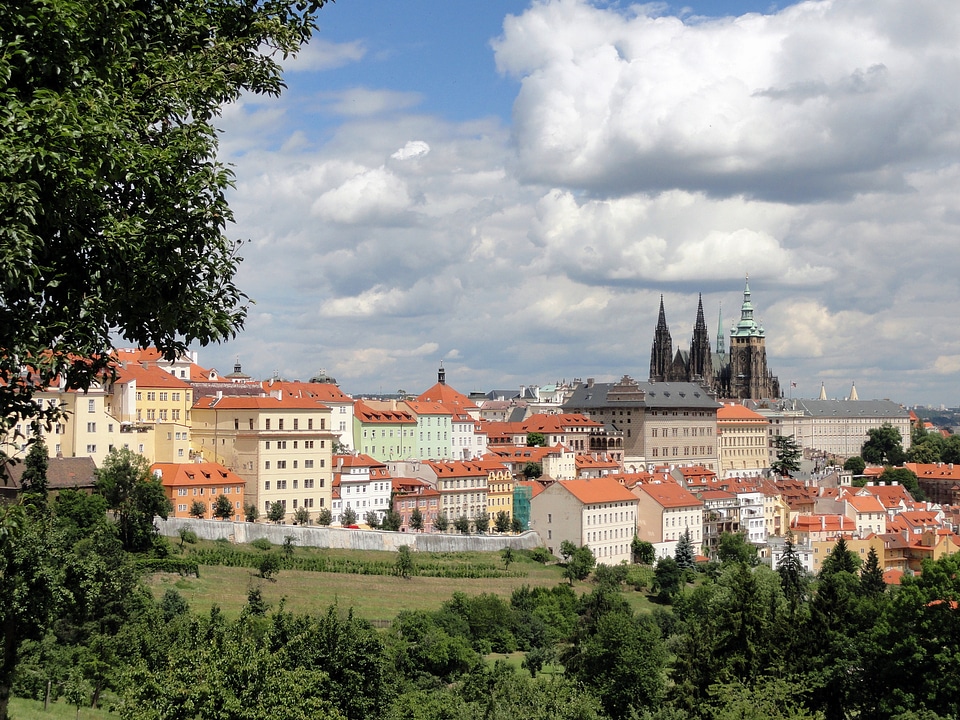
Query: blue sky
{"points": [[510, 186]]}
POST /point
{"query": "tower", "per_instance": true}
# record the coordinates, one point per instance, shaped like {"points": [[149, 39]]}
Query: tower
{"points": [[661, 354], [701, 359], [749, 377]]}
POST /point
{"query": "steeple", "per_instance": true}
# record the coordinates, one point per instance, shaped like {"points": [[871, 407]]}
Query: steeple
{"points": [[441, 375], [721, 349], [823, 392], [853, 392], [747, 327], [661, 353], [701, 360]]}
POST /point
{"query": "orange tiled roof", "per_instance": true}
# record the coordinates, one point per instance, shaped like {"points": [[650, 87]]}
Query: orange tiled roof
{"points": [[269, 402], [731, 411], [327, 392], [151, 376], [196, 474], [597, 490], [669, 494], [367, 414]]}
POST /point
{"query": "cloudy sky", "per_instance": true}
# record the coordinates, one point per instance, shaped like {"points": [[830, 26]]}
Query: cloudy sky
{"points": [[509, 187]]}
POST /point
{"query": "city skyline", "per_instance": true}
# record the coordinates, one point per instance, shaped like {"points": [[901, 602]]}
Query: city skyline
{"points": [[509, 188]]}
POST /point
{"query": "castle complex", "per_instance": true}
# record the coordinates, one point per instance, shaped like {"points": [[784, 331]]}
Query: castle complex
{"points": [[739, 374]]}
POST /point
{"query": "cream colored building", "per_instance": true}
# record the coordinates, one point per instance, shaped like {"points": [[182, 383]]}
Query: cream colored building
{"points": [[599, 513], [665, 512], [742, 441], [281, 446]]}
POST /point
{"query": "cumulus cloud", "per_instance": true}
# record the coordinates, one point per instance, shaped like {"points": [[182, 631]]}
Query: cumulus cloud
{"points": [[413, 149], [320, 54], [371, 193], [773, 106]]}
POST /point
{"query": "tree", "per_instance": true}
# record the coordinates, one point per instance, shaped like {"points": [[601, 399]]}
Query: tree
{"points": [[668, 578], [223, 508], [840, 559], [481, 522], [134, 495], [324, 517], [684, 554], [287, 546], [733, 547], [792, 574], [416, 520], [507, 556], [643, 551], [905, 477], [372, 519], [501, 523], [276, 512], [788, 455], [348, 517], [579, 564], [113, 204], [392, 521], [871, 575], [883, 446], [268, 564], [516, 525], [462, 525], [34, 479], [301, 516], [250, 512], [198, 509], [441, 523], [404, 564], [855, 464], [532, 470], [536, 439]]}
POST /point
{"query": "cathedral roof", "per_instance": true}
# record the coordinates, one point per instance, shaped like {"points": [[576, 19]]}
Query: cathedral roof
{"points": [[747, 327]]}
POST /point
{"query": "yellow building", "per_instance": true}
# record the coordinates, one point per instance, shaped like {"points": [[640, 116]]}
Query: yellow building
{"points": [[280, 446], [742, 440]]}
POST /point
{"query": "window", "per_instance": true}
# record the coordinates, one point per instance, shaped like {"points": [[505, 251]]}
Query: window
{"points": [[281, 484], [180, 452], [151, 414], [310, 424], [151, 396], [91, 449], [266, 444], [281, 444], [266, 424], [308, 444], [307, 464], [91, 427], [295, 463], [181, 508], [139, 396], [295, 484], [266, 485], [164, 396], [163, 414], [281, 464], [266, 465], [176, 414], [181, 491], [280, 424], [175, 397], [296, 424], [308, 484], [91, 406]]}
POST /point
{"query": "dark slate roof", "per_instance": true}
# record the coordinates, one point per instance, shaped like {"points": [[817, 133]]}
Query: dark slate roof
{"points": [[654, 395], [852, 408], [62, 473]]}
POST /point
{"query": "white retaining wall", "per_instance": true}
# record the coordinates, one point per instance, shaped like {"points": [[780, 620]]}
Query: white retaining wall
{"points": [[334, 537]]}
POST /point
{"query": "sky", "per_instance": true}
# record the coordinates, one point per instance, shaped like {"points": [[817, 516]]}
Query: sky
{"points": [[509, 188]]}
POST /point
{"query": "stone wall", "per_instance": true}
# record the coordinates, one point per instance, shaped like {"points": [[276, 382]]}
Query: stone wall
{"points": [[334, 537]]}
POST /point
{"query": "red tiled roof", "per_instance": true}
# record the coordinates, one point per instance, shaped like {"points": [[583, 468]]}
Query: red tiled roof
{"points": [[669, 494], [597, 490], [196, 474]]}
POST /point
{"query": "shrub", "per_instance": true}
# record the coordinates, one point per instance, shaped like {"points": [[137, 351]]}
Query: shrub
{"points": [[262, 544]]}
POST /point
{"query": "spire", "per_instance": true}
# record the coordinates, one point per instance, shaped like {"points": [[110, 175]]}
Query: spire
{"points": [[823, 392], [701, 323], [661, 354], [662, 320], [853, 392], [441, 375], [720, 345], [747, 326]]}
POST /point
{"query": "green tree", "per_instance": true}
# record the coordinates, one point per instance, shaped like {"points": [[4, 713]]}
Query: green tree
{"points": [[33, 482], [536, 439], [928, 448], [871, 575], [579, 564], [256, 605], [684, 554], [791, 572], [198, 509], [440, 522], [392, 521], [288, 546], [905, 477], [30, 582], [324, 517], [268, 565], [507, 556], [840, 559], [276, 512], [416, 520], [884, 446], [788, 455], [372, 519], [532, 470], [501, 523], [404, 565], [223, 508], [950, 452], [462, 525], [481, 522], [668, 578], [733, 547], [250, 512], [301, 516], [134, 495], [348, 517], [855, 464], [643, 551], [111, 193], [516, 526]]}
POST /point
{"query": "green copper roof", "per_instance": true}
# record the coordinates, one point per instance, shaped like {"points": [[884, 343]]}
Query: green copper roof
{"points": [[747, 327]]}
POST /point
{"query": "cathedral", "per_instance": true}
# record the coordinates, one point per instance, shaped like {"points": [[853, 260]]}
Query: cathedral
{"points": [[739, 374]]}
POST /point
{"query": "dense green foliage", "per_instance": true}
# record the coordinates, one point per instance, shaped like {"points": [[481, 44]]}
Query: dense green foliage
{"points": [[883, 446], [788, 453], [113, 210]]}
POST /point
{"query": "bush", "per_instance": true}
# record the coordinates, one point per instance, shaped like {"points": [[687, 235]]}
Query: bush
{"points": [[541, 555], [262, 544]]}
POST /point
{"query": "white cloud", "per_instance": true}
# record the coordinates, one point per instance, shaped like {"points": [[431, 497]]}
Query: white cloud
{"points": [[320, 54], [371, 193], [363, 102], [413, 149]]}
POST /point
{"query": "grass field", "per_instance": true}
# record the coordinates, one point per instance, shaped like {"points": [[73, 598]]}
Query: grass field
{"points": [[21, 709], [377, 598]]}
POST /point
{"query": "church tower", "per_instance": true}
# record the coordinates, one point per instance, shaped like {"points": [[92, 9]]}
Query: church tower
{"points": [[749, 377], [661, 354], [701, 359]]}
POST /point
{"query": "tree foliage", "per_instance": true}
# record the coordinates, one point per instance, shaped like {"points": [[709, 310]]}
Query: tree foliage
{"points": [[416, 520], [855, 464], [113, 211], [905, 477], [884, 446], [134, 496], [788, 454], [536, 439], [685, 556], [223, 508]]}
